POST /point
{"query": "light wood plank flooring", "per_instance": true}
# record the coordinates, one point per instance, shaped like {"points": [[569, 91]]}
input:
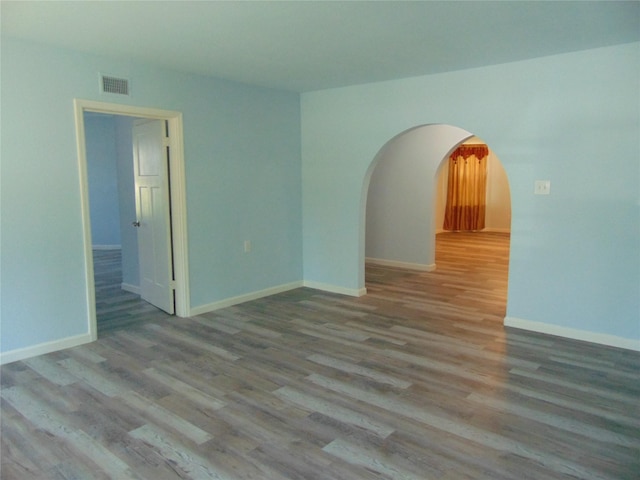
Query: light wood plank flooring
{"points": [[117, 308], [416, 380]]}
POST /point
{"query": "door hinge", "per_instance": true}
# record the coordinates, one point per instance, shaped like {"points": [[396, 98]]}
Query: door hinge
{"points": [[165, 142], [172, 284]]}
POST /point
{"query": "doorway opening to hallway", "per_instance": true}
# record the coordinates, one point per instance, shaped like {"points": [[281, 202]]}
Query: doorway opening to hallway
{"points": [[147, 257]]}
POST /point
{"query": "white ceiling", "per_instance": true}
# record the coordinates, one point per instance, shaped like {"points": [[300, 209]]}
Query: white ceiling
{"points": [[313, 45]]}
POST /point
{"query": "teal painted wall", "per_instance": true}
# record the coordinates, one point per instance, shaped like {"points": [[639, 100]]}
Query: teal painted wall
{"points": [[243, 180], [573, 119]]}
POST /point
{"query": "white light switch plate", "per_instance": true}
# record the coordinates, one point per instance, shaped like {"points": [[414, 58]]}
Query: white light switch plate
{"points": [[542, 187]]}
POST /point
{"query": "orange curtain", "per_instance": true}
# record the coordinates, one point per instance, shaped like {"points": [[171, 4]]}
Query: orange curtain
{"points": [[467, 188]]}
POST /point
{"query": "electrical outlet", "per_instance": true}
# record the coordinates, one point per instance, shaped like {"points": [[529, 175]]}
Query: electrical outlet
{"points": [[542, 187], [247, 246]]}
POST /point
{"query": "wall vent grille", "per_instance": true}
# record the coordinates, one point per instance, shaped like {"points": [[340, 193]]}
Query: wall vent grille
{"points": [[110, 84]]}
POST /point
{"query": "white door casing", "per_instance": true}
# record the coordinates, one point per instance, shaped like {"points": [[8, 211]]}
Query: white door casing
{"points": [[177, 200], [153, 222]]}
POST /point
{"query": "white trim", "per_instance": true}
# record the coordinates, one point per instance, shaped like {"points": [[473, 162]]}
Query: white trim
{"points": [[179, 216], [90, 292], [106, 247], [573, 333], [247, 297], [352, 292], [130, 288], [43, 348], [423, 267], [178, 198]]}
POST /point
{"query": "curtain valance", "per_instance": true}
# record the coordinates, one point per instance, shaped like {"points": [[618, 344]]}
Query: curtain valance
{"points": [[465, 151]]}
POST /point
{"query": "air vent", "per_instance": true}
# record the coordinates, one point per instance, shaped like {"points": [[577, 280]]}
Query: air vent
{"points": [[110, 84]]}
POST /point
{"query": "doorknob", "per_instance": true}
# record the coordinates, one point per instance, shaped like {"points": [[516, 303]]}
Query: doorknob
{"points": [[135, 224]]}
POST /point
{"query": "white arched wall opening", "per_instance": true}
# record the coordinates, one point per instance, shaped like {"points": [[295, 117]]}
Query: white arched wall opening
{"points": [[398, 217]]}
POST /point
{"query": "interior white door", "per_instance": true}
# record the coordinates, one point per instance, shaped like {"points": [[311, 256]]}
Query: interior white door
{"points": [[153, 220]]}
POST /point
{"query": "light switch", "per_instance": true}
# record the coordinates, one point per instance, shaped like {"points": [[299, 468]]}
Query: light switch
{"points": [[542, 187]]}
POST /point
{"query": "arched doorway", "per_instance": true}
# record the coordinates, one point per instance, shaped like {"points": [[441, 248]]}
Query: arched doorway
{"points": [[404, 199]]}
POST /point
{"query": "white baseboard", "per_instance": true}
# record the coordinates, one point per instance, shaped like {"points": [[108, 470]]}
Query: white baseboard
{"points": [[326, 287], [106, 247], [573, 333], [43, 348], [422, 267], [130, 288], [228, 302]]}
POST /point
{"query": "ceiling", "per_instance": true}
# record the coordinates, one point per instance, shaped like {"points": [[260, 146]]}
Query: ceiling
{"points": [[313, 45]]}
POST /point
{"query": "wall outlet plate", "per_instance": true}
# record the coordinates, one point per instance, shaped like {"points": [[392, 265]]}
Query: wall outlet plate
{"points": [[542, 187]]}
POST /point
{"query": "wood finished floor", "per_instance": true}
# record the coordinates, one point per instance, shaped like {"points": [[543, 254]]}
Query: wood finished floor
{"points": [[117, 308], [416, 380]]}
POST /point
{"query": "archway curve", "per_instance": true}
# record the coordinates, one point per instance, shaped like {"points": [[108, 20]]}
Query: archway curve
{"points": [[419, 154]]}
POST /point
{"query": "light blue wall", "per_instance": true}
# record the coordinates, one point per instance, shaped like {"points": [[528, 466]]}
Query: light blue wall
{"points": [[573, 119], [243, 180], [102, 178]]}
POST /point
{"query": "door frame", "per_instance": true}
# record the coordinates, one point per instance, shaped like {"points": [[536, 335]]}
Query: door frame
{"points": [[177, 187]]}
